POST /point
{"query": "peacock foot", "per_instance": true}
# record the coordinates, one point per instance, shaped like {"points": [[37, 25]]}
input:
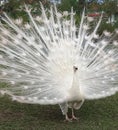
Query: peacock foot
{"points": [[67, 119], [75, 118]]}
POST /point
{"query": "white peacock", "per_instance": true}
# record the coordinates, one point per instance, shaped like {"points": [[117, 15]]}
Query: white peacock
{"points": [[50, 60]]}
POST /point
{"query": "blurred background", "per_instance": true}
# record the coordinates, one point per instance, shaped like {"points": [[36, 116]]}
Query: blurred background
{"points": [[94, 8]]}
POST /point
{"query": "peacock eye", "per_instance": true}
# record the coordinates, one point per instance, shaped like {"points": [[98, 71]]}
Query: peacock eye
{"points": [[75, 68]]}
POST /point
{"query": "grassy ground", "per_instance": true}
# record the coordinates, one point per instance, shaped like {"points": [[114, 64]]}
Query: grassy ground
{"points": [[94, 115]]}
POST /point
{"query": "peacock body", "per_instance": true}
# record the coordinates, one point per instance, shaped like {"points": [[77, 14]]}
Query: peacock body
{"points": [[51, 60]]}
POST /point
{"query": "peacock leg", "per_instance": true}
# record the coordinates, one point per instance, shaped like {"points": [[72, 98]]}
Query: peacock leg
{"points": [[64, 109], [73, 115], [67, 119]]}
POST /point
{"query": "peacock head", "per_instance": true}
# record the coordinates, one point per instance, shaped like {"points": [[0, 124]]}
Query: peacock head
{"points": [[75, 68]]}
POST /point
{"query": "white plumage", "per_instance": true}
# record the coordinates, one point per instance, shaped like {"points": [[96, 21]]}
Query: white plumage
{"points": [[52, 61]]}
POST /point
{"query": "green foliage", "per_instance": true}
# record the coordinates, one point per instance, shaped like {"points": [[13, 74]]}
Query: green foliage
{"points": [[67, 4], [110, 7], [11, 7], [77, 5], [15, 8], [107, 26], [94, 7]]}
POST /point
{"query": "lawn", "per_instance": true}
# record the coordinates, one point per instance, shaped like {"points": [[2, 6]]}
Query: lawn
{"points": [[94, 115]]}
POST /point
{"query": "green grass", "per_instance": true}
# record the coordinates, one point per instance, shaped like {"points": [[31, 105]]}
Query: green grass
{"points": [[94, 115]]}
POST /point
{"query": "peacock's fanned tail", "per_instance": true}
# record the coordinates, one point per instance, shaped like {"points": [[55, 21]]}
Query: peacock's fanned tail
{"points": [[37, 58]]}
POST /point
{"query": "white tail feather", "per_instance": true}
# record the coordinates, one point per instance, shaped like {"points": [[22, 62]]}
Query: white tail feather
{"points": [[37, 58]]}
